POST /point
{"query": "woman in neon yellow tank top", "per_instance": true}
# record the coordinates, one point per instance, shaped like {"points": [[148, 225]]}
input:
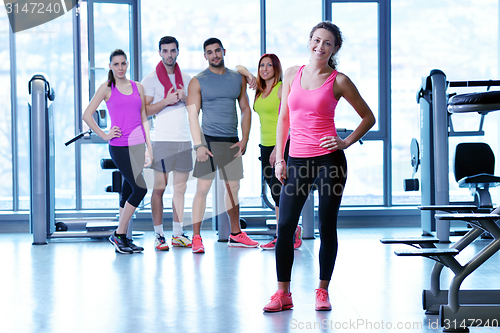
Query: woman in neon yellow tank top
{"points": [[267, 103]]}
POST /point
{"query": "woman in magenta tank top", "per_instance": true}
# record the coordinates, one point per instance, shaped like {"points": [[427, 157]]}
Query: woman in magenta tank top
{"points": [[310, 95], [129, 143]]}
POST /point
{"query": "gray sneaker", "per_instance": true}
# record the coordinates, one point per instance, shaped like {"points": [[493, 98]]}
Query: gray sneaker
{"points": [[120, 243]]}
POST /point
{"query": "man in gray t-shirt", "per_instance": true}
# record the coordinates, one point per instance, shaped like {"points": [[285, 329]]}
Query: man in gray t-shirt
{"points": [[215, 91]]}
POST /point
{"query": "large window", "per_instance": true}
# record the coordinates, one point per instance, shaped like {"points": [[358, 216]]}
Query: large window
{"points": [[237, 25], [105, 27], [6, 202], [461, 39], [45, 49], [458, 37], [364, 40], [358, 59]]}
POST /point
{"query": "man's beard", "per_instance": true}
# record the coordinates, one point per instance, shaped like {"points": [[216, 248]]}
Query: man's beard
{"points": [[220, 64]]}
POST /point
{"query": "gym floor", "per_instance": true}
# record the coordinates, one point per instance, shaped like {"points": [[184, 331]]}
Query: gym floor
{"points": [[82, 285]]}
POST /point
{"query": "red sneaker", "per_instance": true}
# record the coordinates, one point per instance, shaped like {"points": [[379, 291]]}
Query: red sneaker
{"points": [[269, 246], [279, 301], [297, 237], [322, 300], [241, 240], [197, 245]]}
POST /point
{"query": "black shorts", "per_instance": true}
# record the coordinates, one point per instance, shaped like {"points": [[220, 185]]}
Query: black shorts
{"points": [[172, 156], [230, 167]]}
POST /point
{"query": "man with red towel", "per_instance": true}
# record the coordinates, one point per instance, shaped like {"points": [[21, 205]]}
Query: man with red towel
{"points": [[165, 91]]}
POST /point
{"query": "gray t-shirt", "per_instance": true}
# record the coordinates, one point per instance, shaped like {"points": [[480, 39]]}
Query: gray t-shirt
{"points": [[218, 102]]}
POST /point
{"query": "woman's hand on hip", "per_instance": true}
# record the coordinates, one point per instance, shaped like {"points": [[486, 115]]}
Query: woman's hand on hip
{"points": [[114, 132], [332, 143]]}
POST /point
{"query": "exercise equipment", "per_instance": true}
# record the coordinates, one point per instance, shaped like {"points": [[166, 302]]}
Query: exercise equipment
{"points": [[474, 168], [42, 158], [43, 223], [458, 309], [436, 109]]}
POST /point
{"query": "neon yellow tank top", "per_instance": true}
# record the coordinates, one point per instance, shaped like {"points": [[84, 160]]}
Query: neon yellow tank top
{"points": [[268, 109]]}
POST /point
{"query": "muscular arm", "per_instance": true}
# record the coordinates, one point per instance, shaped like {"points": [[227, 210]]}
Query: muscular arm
{"points": [[246, 116], [249, 78], [171, 99], [193, 108], [152, 109]]}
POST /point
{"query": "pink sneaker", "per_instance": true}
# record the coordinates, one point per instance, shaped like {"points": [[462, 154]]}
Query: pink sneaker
{"points": [[197, 245], [241, 240], [269, 246], [297, 237], [279, 301], [322, 300]]}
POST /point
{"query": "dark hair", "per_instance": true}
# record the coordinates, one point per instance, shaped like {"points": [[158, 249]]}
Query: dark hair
{"points": [[168, 40], [332, 62], [210, 41], [111, 77], [278, 73]]}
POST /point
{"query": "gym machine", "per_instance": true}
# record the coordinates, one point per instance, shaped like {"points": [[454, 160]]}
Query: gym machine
{"points": [[43, 223], [431, 154]]}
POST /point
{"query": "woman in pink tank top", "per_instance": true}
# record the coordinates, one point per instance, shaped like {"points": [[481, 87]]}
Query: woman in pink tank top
{"points": [[129, 143], [310, 95]]}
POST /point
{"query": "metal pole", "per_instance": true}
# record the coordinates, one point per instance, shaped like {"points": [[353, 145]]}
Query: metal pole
{"points": [[77, 65], [219, 208], [13, 120], [38, 157], [440, 142], [262, 27], [428, 223]]}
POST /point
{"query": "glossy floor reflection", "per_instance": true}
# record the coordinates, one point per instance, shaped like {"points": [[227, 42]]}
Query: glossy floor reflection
{"points": [[84, 286]]}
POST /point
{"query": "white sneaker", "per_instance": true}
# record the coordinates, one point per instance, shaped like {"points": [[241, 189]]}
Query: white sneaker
{"points": [[181, 241]]}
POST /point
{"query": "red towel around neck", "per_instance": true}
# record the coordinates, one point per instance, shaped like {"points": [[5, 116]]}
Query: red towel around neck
{"points": [[161, 71]]}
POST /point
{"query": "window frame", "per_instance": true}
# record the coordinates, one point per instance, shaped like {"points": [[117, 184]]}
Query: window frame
{"points": [[384, 99]]}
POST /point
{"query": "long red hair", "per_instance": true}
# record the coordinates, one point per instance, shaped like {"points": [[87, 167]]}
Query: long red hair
{"points": [[278, 73]]}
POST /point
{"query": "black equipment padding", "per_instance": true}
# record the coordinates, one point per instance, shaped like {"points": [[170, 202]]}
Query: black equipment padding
{"points": [[108, 164], [488, 97]]}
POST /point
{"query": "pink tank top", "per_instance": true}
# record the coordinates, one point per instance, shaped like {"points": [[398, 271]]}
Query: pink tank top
{"points": [[125, 112], [311, 116]]}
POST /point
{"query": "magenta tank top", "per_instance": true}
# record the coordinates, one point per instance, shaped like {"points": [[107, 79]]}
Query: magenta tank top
{"points": [[311, 116], [125, 112]]}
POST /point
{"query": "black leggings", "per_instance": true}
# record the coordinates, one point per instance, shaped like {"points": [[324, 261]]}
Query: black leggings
{"points": [[268, 171], [130, 161], [328, 173]]}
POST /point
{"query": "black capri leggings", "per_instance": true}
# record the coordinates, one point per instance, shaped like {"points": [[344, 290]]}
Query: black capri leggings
{"points": [[130, 161], [328, 173]]}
